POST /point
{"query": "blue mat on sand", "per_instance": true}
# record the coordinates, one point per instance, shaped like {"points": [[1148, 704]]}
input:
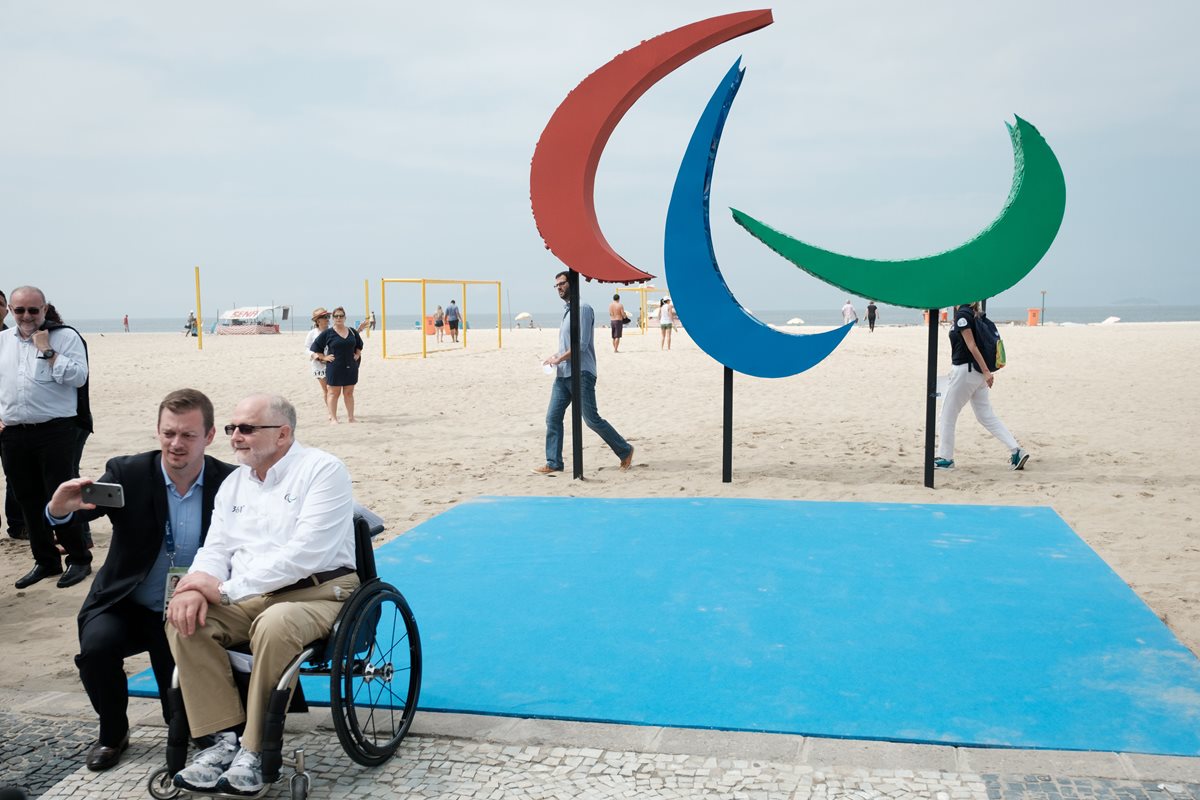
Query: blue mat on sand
{"points": [[969, 625]]}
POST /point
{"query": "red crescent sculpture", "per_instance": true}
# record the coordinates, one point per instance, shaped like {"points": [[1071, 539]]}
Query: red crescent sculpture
{"points": [[563, 173]]}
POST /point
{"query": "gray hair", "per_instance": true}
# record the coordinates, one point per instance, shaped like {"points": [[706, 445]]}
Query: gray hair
{"points": [[278, 408], [30, 289], [281, 408]]}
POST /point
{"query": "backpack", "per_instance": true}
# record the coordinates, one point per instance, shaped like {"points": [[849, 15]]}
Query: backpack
{"points": [[991, 347]]}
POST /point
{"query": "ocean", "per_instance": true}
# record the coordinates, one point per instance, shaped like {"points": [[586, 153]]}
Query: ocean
{"points": [[888, 315]]}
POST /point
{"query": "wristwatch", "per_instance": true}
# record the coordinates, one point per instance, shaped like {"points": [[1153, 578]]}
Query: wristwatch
{"points": [[49, 352], [224, 599]]}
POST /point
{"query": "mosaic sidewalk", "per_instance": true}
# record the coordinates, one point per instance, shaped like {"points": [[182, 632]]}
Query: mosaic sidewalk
{"points": [[44, 754]]}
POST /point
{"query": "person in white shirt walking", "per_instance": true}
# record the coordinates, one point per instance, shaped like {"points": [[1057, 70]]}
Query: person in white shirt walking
{"points": [[274, 571], [848, 313]]}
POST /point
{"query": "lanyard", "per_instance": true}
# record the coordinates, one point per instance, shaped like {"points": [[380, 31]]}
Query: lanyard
{"points": [[170, 542]]}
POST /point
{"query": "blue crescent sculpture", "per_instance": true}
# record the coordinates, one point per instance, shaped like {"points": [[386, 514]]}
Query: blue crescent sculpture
{"points": [[712, 315]]}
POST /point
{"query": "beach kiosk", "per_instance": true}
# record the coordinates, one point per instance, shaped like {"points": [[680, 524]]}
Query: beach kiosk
{"points": [[250, 320]]}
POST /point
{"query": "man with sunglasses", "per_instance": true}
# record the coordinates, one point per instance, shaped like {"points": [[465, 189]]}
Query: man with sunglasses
{"points": [[274, 571], [560, 395], [169, 495], [41, 372]]}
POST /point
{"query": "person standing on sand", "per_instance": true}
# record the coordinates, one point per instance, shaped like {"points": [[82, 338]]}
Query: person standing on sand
{"points": [[560, 395], [848, 313], [125, 322], [666, 322], [12, 510], [320, 321], [439, 323], [872, 312], [43, 376], [344, 347], [970, 380], [452, 320], [616, 320]]}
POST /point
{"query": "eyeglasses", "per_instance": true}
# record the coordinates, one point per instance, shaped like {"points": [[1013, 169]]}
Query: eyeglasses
{"points": [[339, 316], [245, 429], [560, 284], [32, 311]]}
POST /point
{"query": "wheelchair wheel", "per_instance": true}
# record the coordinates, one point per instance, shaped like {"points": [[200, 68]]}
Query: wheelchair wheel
{"points": [[299, 787], [161, 785], [375, 675]]}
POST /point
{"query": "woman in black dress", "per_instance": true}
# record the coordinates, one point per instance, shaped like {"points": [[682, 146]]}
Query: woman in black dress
{"points": [[344, 347]]}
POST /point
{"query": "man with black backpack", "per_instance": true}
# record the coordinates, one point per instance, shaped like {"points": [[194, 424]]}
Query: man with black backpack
{"points": [[42, 369], [973, 349]]}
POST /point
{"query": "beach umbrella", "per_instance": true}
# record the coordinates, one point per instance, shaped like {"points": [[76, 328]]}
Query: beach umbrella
{"points": [[524, 315], [795, 321]]}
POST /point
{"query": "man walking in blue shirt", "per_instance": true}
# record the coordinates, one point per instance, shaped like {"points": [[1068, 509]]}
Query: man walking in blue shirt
{"points": [[560, 395]]}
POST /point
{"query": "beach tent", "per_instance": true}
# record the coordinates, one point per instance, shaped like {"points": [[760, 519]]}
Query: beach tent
{"points": [[252, 320]]}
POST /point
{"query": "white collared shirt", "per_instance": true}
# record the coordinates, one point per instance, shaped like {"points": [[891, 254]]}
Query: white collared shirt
{"points": [[31, 390], [268, 534]]}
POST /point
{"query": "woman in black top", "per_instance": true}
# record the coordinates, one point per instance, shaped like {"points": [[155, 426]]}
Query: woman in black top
{"points": [[344, 347]]}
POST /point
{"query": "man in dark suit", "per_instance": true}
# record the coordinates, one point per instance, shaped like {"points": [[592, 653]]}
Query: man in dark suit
{"points": [[168, 504]]}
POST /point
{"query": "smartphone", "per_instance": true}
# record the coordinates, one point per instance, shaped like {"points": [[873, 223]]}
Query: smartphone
{"points": [[111, 495]]}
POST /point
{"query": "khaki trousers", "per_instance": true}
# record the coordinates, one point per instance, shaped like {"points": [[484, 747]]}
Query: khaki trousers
{"points": [[277, 628]]}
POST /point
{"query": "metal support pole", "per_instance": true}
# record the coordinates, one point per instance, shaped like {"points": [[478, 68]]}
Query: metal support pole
{"points": [[931, 396], [727, 438], [576, 382]]}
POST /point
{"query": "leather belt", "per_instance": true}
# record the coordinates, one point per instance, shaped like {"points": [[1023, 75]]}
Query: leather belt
{"points": [[58, 422], [316, 579]]}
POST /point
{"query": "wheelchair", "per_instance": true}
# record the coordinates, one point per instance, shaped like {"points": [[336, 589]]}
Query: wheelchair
{"points": [[372, 658]]}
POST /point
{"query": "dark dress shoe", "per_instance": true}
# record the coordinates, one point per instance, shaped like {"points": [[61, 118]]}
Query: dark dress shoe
{"points": [[74, 574], [100, 758], [36, 574]]}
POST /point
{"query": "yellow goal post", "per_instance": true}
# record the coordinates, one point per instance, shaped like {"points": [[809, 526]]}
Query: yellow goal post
{"points": [[425, 283], [642, 321]]}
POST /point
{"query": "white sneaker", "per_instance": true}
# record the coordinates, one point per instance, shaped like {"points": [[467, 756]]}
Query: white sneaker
{"points": [[209, 765], [244, 775]]}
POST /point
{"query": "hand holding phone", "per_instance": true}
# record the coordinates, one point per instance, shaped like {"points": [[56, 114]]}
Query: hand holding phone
{"points": [[110, 495]]}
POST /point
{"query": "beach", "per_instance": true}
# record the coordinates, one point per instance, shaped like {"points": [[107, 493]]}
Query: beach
{"points": [[1108, 438]]}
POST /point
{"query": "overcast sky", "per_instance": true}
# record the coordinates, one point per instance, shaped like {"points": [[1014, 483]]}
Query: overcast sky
{"points": [[292, 150]]}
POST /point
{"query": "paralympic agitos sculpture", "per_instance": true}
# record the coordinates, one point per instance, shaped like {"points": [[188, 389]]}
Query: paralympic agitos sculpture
{"points": [[562, 179]]}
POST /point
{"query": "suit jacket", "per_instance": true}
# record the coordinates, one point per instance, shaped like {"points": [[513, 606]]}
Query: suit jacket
{"points": [[138, 527]]}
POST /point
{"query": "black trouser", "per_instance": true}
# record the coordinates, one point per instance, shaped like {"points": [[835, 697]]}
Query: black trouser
{"points": [[105, 641], [12, 511], [37, 458]]}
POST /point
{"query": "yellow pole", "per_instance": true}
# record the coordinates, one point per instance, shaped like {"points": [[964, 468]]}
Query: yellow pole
{"points": [[421, 322], [463, 322], [367, 304], [199, 315], [499, 310], [383, 312]]}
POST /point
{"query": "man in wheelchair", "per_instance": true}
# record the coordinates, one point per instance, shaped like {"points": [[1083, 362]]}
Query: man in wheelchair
{"points": [[274, 571]]}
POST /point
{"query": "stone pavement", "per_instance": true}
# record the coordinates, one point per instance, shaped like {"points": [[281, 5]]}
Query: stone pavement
{"points": [[465, 757]]}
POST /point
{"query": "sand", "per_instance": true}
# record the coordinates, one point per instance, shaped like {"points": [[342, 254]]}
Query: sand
{"points": [[1113, 447]]}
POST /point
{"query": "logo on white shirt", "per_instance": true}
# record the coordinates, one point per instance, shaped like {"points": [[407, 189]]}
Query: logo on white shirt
{"points": [[238, 509]]}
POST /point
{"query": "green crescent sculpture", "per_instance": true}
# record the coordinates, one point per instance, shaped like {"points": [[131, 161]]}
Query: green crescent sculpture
{"points": [[983, 267]]}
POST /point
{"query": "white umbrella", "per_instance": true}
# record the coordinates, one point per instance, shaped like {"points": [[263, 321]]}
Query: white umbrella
{"points": [[795, 321], [524, 315]]}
